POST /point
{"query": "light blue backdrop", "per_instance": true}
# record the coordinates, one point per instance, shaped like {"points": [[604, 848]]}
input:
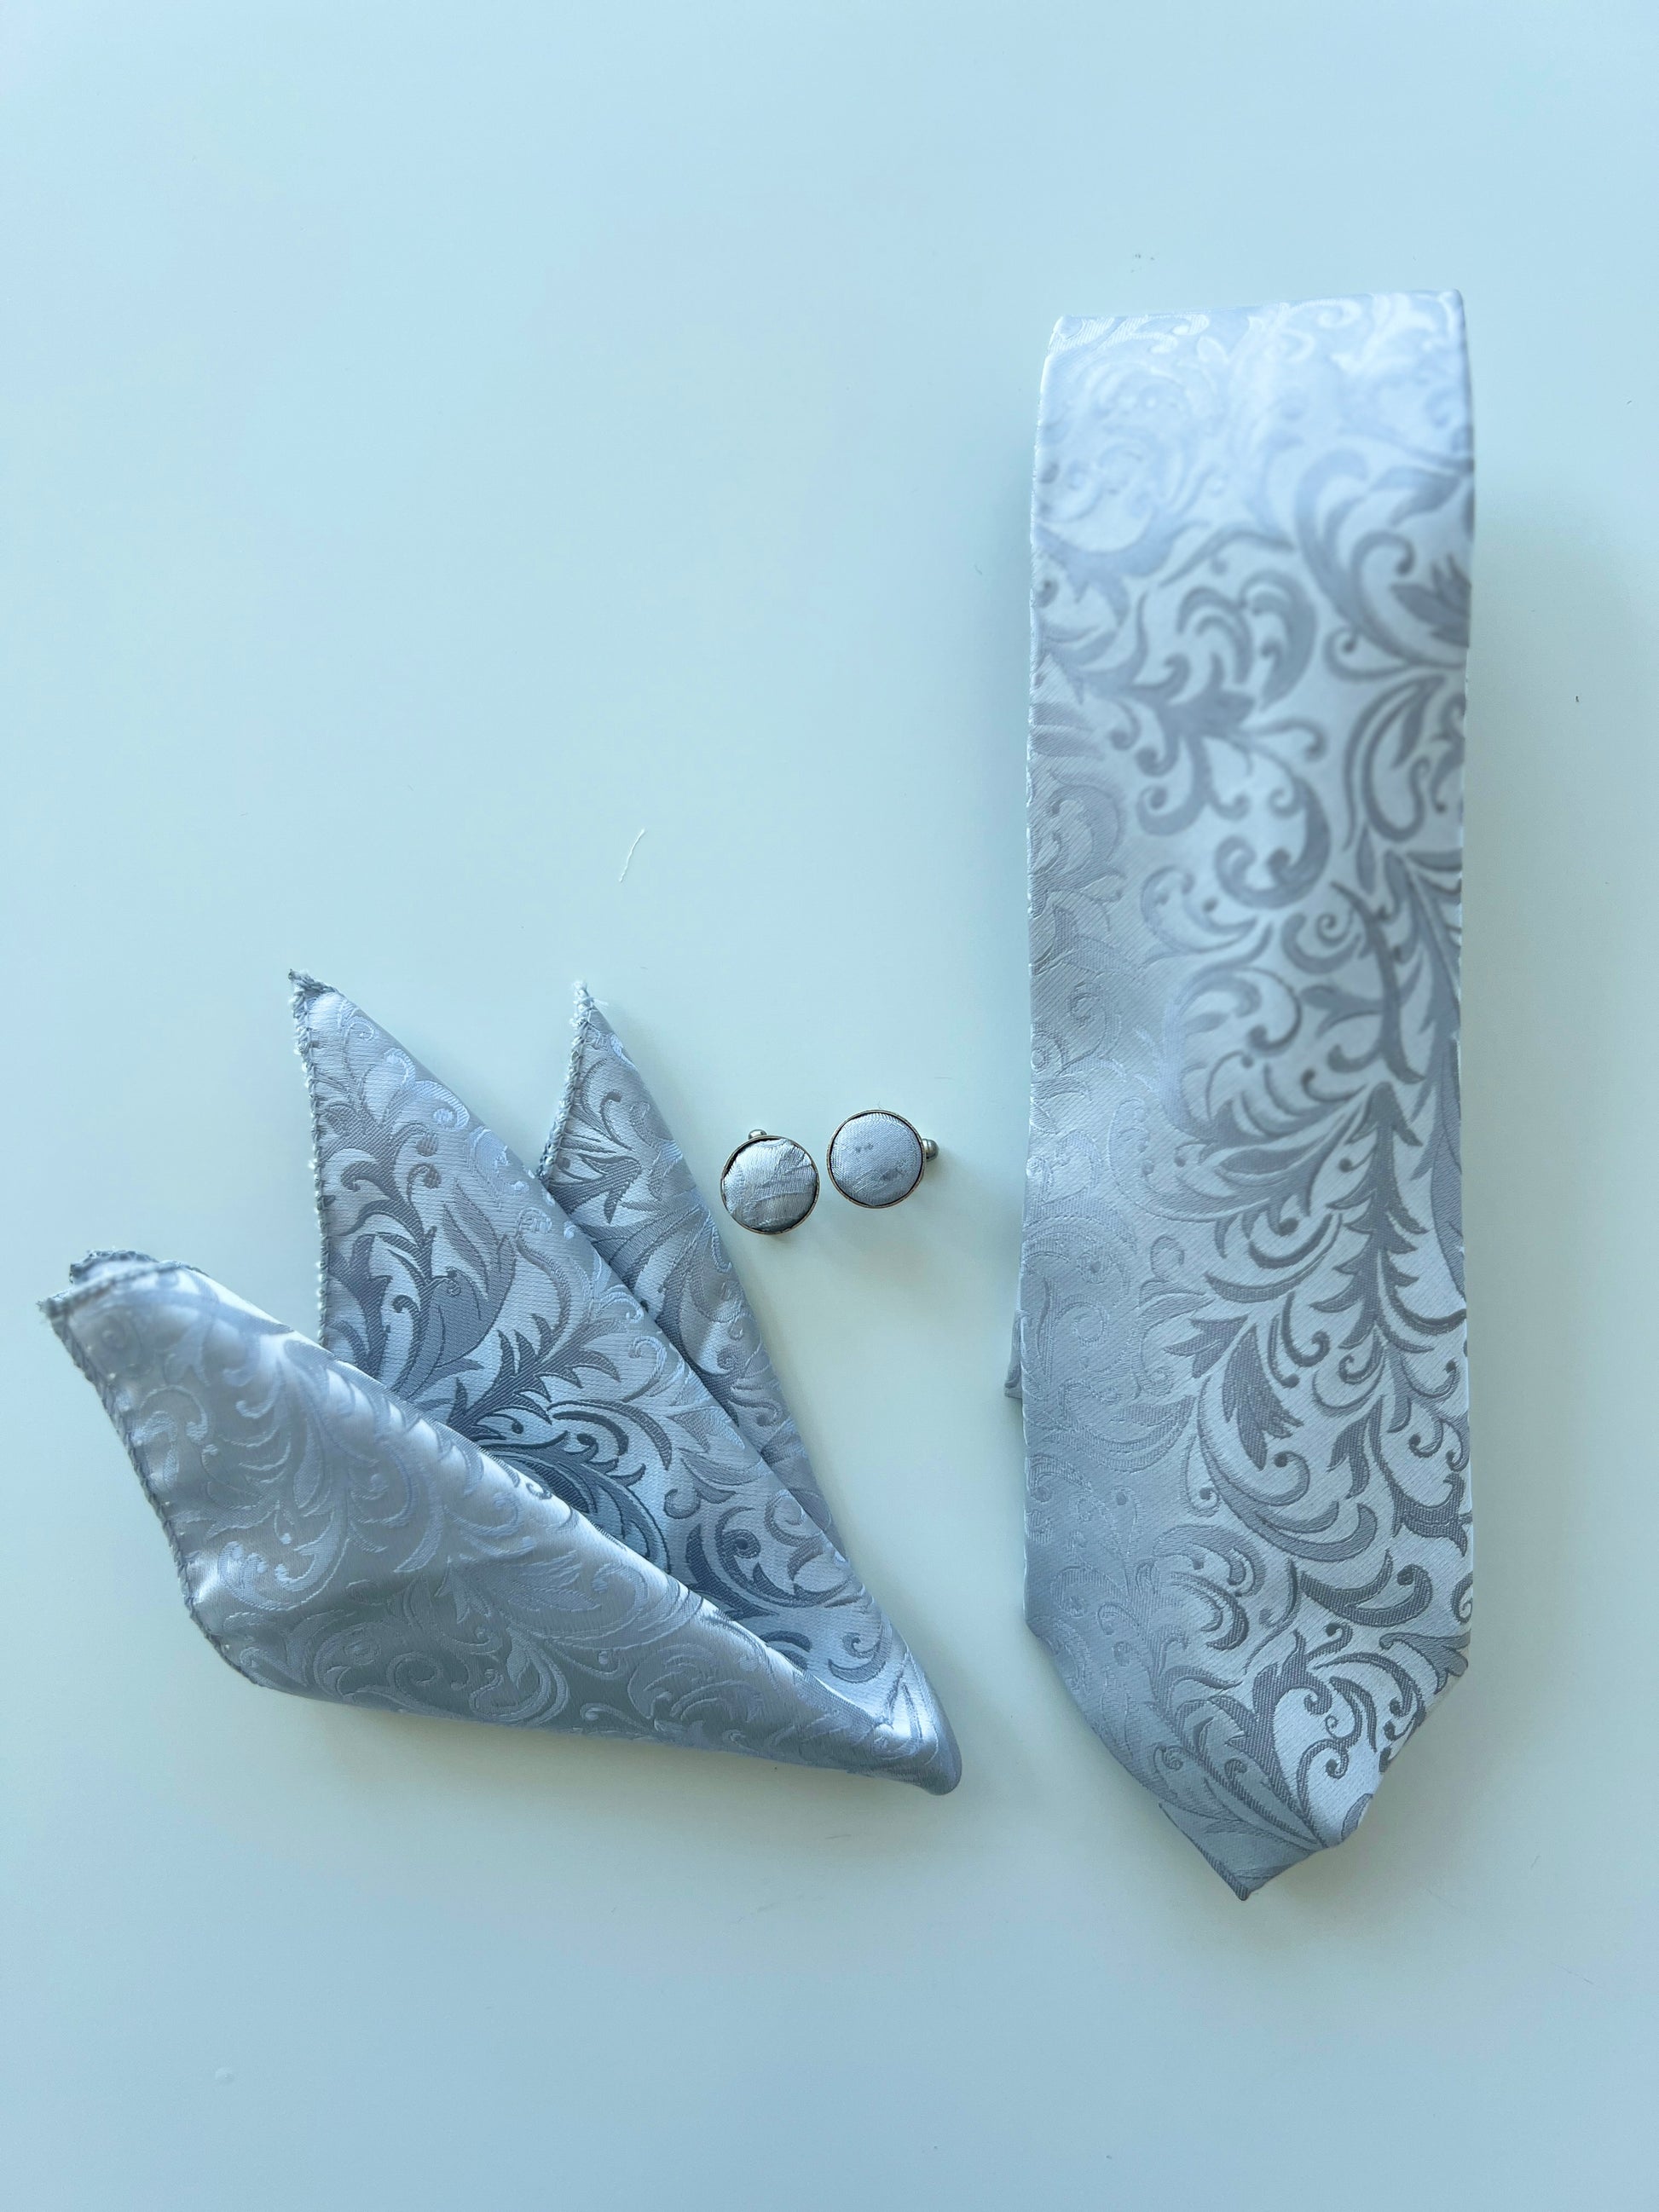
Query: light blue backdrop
{"points": [[440, 444]]}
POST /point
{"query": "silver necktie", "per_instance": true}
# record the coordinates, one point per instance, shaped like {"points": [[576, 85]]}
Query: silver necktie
{"points": [[1240, 1340]]}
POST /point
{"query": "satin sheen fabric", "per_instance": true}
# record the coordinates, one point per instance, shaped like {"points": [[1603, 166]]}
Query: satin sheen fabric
{"points": [[1240, 1340], [534, 1473]]}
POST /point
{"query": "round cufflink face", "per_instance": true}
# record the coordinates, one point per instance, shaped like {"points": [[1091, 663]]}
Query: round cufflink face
{"points": [[877, 1158], [769, 1184]]}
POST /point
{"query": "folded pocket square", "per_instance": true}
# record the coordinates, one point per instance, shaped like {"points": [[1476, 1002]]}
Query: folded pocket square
{"points": [[536, 1472]]}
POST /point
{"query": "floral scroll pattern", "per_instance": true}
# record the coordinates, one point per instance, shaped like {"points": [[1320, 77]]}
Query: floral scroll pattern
{"points": [[613, 1168], [335, 1543], [500, 1488], [452, 1276], [1241, 1336]]}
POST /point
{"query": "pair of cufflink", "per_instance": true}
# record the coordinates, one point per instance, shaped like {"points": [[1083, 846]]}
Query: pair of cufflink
{"points": [[875, 1158]]}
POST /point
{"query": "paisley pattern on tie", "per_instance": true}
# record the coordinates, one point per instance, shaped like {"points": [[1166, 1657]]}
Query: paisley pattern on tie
{"points": [[1240, 1346], [497, 1488]]}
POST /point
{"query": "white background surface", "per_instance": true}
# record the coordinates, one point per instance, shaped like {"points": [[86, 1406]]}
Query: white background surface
{"points": [[443, 443]]}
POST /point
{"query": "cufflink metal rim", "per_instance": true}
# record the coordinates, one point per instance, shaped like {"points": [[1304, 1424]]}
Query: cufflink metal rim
{"points": [[928, 1150], [776, 1228]]}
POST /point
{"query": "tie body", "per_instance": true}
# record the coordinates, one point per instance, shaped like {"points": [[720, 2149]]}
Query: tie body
{"points": [[1241, 1343]]}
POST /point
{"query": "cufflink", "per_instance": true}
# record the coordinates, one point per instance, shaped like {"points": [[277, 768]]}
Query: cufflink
{"points": [[877, 1159], [769, 1184]]}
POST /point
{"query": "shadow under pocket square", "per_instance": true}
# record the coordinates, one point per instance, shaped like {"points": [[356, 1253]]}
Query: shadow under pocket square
{"points": [[537, 1472]]}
